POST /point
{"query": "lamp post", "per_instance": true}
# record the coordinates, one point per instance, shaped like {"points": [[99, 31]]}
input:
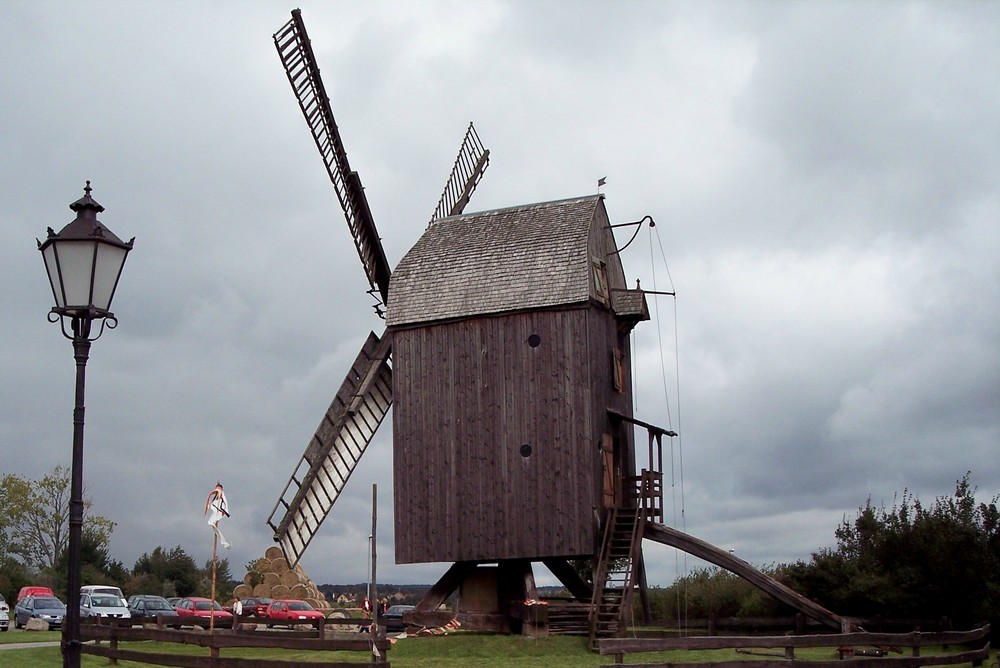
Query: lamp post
{"points": [[83, 261]]}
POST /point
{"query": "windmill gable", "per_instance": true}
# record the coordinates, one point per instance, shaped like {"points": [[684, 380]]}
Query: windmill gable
{"points": [[526, 257]]}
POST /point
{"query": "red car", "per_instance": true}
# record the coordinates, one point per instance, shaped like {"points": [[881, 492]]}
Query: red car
{"points": [[287, 610], [255, 606], [200, 607], [33, 590]]}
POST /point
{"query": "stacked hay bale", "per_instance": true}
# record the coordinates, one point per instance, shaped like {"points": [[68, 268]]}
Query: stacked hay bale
{"points": [[271, 577]]}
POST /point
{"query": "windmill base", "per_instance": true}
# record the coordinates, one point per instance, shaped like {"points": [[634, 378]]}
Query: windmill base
{"points": [[498, 598]]}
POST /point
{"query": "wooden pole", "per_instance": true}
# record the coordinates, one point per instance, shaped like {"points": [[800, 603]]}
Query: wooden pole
{"points": [[373, 629], [211, 606]]}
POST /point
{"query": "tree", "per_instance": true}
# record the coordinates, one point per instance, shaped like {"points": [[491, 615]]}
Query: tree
{"points": [[168, 572], [96, 565], [224, 583], [912, 561], [35, 530]]}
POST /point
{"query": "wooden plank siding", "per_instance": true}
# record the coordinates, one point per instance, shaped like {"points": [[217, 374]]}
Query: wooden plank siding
{"points": [[469, 493]]}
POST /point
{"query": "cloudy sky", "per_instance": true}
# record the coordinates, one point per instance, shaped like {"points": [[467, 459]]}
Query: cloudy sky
{"points": [[824, 179]]}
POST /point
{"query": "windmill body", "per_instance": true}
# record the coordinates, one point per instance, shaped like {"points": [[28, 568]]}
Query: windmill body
{"points": [[506, 365], [509, 335]]}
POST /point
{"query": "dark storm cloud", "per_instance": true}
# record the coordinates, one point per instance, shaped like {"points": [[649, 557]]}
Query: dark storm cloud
{"points": [[823, 175]]}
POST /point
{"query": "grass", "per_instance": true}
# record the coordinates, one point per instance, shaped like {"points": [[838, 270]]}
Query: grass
{"points": [[459, 650], [11, 636]]}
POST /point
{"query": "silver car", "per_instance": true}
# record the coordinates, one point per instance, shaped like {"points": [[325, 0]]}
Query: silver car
{"points": [[47, 608], [103, 605]]}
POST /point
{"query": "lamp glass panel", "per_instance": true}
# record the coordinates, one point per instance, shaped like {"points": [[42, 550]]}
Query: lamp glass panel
{"points": [[52, 268], [110, 260], [76, 263]]}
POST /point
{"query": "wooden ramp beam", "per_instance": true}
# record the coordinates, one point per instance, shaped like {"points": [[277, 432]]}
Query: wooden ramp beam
{"points": [[723, 559]]}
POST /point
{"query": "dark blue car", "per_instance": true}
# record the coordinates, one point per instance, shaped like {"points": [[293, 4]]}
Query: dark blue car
{"points": [[47, 608]]}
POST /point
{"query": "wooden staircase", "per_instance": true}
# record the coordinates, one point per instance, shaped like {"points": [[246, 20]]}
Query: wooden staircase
{"points": [[616, 575]]}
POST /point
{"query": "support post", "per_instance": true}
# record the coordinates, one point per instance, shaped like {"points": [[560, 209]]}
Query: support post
{"points": [[373, 628], [71, 624]]}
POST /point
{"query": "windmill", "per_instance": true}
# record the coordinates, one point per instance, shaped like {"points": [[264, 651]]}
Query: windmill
{"points": [[506, 363]]}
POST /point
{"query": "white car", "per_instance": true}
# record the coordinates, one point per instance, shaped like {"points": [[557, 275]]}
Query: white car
{"points": [[104, 589], [4, 620], [103, 605]]}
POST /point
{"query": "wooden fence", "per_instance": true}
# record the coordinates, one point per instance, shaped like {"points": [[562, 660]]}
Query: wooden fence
{"points": [[319, 638], [852, 648]]}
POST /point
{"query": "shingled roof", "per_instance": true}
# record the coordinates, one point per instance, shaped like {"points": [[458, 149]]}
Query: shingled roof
{"points": [[524, 257]]}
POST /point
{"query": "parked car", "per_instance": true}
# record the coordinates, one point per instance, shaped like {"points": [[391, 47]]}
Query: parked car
{"points": [[148, 605], [255, 606], [291, 611], [3, 604], [103, 605], [174, 600], [200, 607], [33, 590], [104, 589], [47, 608], [393, 618], [4, 614]]}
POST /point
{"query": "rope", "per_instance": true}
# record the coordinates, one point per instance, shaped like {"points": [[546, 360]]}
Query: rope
{"points": [[676, 466]]}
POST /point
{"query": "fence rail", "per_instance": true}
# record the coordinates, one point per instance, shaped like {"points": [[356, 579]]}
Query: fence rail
{"points": [[846, 645], [316, 639]]}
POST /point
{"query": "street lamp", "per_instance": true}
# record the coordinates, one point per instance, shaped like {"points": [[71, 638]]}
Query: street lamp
{"points": [[84, 262]]}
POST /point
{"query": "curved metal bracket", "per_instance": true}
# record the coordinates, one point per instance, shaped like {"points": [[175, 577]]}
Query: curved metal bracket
{"points": [[81, 326], [638, 226]]}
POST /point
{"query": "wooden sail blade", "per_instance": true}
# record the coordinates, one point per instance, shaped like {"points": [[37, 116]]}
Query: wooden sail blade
{"points": [[466, 173], [297, 57], [343, 434]]}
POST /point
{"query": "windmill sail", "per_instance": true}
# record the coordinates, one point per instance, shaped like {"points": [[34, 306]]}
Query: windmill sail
{"points": [[341, 438], [469, 167], [297, 57]]}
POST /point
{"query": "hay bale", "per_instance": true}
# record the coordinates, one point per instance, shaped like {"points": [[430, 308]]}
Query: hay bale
{"points": [[299, 591], [262, 591], [273, 552], [279, 565], [272, 579], [243, 590], [314, 603], [281, 591], [288, 579]]}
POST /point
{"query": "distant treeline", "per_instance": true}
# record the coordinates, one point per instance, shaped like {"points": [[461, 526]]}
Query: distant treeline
{"points": [[911, 561]]}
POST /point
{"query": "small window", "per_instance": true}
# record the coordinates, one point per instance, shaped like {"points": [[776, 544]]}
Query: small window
{"points": [[600, 280], [526, 450], [534, 340], [618, 370]]}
